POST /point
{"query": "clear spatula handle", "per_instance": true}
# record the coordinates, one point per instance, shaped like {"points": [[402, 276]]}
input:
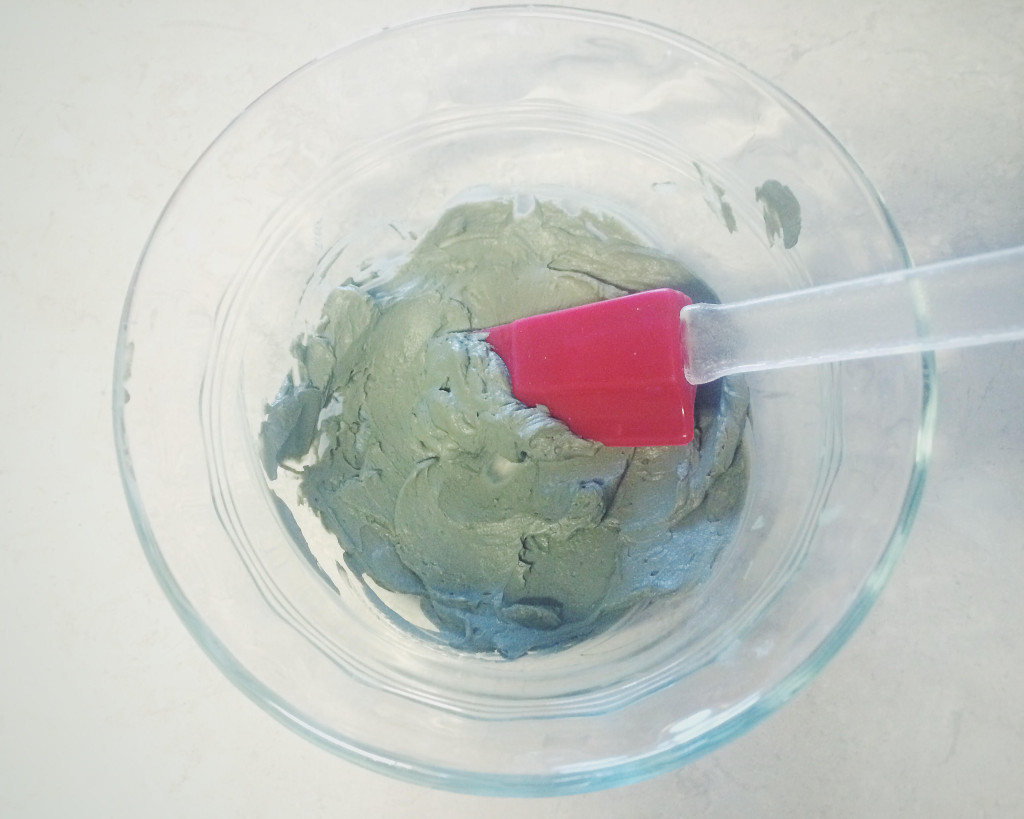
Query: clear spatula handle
{"points": [[973, 300]]}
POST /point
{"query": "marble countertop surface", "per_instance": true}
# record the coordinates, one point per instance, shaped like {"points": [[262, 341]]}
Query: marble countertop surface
{"points": [[108, 708]]}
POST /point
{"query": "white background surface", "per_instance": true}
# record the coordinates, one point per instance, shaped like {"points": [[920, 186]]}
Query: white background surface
{"points": [[107, 706]]}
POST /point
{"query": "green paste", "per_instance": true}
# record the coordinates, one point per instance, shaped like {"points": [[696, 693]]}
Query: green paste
{"points": [[781, 211], [515, 534]]}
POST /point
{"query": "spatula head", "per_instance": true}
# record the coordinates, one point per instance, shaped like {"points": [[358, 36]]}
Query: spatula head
{"points": [[612, 371]]}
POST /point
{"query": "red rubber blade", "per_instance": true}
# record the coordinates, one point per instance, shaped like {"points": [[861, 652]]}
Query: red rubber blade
{"points": [[612, 371]]}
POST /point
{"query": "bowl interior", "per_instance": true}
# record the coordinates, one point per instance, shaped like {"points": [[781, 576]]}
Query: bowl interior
{"points": [[331, 177]]}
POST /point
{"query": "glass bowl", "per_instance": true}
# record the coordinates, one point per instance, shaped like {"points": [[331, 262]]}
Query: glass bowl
{"points": [[330, 177]]}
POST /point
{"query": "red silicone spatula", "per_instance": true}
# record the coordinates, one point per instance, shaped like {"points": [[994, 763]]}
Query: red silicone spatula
{"points": [[612, 370], [623, 371]]}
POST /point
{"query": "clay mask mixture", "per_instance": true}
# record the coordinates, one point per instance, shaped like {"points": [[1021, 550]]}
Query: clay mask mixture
{"points": [[408, 445]]}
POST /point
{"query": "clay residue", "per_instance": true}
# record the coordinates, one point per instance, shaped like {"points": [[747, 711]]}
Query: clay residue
{"points": [[781, 213], [714, 195]]}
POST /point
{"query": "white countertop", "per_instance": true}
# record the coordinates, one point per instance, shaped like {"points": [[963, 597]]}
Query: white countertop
{"points": [[107, 706]]}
